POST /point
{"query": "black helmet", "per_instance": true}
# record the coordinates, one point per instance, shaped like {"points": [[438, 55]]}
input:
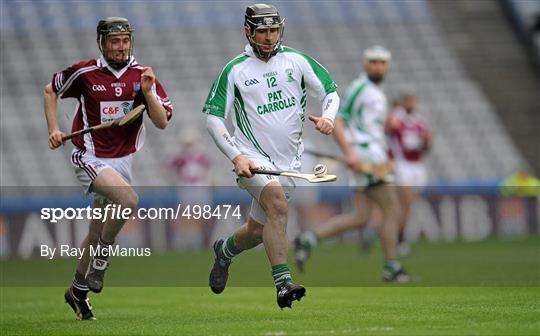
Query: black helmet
{"points": [[263, 16], [114, 26]]}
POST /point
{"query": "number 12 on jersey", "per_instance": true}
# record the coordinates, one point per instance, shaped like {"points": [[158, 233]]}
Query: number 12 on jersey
{"points": [[271, 81]]}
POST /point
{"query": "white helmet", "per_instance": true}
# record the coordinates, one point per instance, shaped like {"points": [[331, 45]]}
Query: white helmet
{"points": [[377, 53]]}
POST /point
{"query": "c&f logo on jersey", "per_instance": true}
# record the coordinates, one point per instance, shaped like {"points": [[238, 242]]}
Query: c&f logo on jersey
{"points": [[100, 88], [250, 82], [111, 110], [290, 77]]}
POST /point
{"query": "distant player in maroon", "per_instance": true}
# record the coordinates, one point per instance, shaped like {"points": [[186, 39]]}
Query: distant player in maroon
{"points": [[409, 139], [191, 165], [106, 89]]}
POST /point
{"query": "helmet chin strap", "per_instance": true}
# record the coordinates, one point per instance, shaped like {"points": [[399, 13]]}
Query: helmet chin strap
{"points": [[260, 53], [118, 65]]}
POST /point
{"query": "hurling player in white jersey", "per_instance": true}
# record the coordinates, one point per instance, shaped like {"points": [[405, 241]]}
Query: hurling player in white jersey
{"points": [[263, 91], [359, 131], [102, 160]]}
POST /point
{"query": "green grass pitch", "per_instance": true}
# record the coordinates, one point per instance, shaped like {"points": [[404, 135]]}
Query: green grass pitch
{"points": [[484, 288]]}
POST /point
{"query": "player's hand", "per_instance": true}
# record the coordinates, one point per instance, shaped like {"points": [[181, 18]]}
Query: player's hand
{"points": [[392, 124], [55, 139], [382, 169], [242, 166], [323, 125], [147, 80]]}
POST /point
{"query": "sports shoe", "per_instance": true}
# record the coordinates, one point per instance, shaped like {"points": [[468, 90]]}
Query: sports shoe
{"points": [[96, 273], [220, 271], [301, 254], [399, 276], [289, 292], [82, 308]]}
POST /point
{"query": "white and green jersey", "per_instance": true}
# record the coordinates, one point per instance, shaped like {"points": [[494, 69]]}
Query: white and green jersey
{"points": [[364, 110], [267, 102]]}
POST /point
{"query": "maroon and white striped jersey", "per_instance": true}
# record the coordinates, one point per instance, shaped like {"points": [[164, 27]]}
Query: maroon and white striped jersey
{"points": [[105, 94], [191, 167], [409, 141]]}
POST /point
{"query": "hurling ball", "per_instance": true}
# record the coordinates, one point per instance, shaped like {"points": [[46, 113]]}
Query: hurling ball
{"points": [[320, 170]]}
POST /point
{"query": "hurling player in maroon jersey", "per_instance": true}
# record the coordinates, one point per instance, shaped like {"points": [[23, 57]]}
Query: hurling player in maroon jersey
{"points": [[409, 139], [106, 89]]}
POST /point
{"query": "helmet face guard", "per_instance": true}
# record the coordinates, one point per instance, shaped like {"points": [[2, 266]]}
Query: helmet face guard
{"points": [[260, 17], [114, 26]]}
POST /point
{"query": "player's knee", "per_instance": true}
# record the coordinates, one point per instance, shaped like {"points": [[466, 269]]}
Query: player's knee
{"points": [[130, 200], [277, 210], [274, 203], [390, 208], [393, 210], [360, 218]]}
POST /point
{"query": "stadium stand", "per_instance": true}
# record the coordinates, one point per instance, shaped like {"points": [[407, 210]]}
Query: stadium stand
{"points": [[495, 58], [188, 42]]}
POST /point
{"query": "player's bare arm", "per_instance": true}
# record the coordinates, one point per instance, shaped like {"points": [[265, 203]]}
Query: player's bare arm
{"points": [[157, 112], [428, 137], [350, 157], [391, 124], [50, 101]]}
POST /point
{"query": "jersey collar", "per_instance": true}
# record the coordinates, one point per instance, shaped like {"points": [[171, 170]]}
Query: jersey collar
{"points": [[102, 63], [248, 51], [365, 77]]}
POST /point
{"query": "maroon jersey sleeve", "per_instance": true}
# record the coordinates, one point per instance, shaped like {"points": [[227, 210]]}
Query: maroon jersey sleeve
{"points": [[66, 84]]}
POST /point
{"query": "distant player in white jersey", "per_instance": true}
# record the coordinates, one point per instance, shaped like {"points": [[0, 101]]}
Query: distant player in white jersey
{"points": [[409, 139], [359, 131], [263, 91]]}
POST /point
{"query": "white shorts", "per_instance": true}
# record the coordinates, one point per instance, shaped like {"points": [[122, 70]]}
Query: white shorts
{"points": [[372, 153], [87, 167], [410, 173], [256, 184], [306, 192]]}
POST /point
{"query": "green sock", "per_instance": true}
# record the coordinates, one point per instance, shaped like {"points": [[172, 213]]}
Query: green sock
{"points": [[309, 239], [228, 249], [281, 275]]}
